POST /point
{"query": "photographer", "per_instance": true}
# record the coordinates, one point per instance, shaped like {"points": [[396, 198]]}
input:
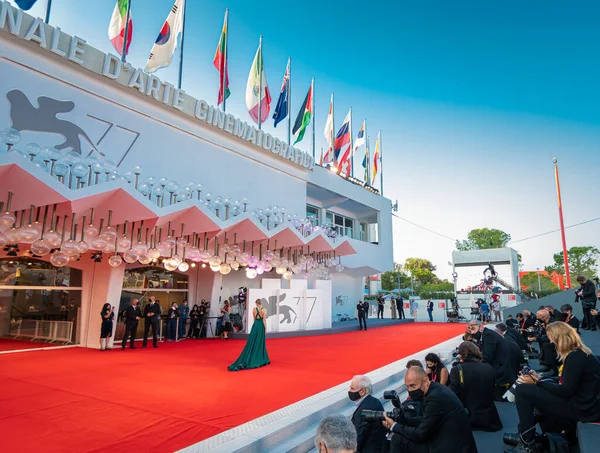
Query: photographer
{"points": [[473, 382], [444, 426], [587, 294], [547, 349], [335, 434], [573, 399], [568, 317], [370, 436]]}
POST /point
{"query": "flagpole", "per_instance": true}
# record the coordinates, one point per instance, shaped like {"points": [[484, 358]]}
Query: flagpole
{"points": [[351, 147], [48, 6], [380, 163], [366, 146], [367, 159], [126, 34], [182, 41], [224, 77], [289, 103], [332, 138], [313, 116], [260, 72]]}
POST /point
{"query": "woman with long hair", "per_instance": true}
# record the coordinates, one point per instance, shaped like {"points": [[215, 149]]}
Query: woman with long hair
{"points": [[107, 314], [226, 311], [254, 354], [436, 370], [574, 398]]}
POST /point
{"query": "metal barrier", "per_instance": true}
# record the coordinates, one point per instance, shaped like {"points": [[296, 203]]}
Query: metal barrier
{"points": [[38, 329]]}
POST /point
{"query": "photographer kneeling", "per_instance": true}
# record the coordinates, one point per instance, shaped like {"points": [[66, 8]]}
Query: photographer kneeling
{"points": [[473, 382], [574, 398], [547, 349], [444, 426]]}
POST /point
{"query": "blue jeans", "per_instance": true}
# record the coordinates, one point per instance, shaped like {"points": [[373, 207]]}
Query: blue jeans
{"points": [[171, 329], [430, 313], [182, 324]]}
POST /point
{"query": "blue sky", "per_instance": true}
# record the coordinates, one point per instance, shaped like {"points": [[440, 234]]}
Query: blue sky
{"points": [[473, 98]]}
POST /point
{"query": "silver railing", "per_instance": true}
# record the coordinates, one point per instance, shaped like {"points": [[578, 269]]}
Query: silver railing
{"points": [[38, 329]]}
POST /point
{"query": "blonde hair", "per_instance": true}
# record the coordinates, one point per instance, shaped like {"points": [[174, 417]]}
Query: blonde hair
{"points": [[566, 339]]}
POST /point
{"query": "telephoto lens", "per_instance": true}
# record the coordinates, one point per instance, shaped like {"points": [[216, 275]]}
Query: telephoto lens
{"points": [[511, 439]]}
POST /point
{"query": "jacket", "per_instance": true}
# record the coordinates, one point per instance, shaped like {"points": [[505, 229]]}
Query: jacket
{"points": [[445, 426], [495, 352], [588, 294], [131, 313], [370, 435], [476, 391], [152, 308]]}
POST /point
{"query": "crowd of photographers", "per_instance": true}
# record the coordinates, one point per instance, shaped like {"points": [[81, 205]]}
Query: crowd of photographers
{"points": [[443, 407]]}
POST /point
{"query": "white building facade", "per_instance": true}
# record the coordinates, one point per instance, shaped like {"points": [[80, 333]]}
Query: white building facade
{"points": [[96, 121]]}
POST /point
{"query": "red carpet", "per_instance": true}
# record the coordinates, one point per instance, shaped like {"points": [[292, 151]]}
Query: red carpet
{"points": [[161, 400], [6, 344]]}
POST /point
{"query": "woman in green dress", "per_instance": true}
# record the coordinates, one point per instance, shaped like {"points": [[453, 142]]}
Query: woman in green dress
{"points": [[254, 354]]}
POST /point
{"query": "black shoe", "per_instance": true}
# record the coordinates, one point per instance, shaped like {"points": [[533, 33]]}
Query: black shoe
{"points": [[143, 346], [123, 348], [155, 346], [132, 347], [522, 447]]}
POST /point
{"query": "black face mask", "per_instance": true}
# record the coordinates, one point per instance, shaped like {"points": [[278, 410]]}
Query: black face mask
{"points": [[476, 335], [354, 396], [416, 395]]}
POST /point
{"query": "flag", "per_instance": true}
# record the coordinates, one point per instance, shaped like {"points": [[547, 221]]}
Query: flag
{"points": [[220, 62], [376, 158], [329, 132], [166, 42], [360, 138], [281, 110], [342, 138], [365, 164], [257, 80], [321, 159], [25, 4], [116, 29], [304, 116]]}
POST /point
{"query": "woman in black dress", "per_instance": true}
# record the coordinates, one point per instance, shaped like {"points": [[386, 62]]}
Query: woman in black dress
{"points": [[106, 329], [194, 318]]}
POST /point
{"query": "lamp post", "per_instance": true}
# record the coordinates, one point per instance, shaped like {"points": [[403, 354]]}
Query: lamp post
{"points": [[562, 224], [539, 280]]}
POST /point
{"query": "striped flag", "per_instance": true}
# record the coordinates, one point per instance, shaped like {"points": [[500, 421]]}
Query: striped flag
{"points": [[360, 138], [257, 81], [304, 115], [220, 62], [281, 109], [166, 42], [342, 139], [329, 134], [116, 28], [376, 159]]}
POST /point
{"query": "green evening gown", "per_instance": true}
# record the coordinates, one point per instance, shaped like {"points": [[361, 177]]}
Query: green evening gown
{"points": [[254, 354]]}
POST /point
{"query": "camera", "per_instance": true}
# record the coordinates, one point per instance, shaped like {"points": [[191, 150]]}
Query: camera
{"points": [[408, 412], [526, 371], [511, 439]]}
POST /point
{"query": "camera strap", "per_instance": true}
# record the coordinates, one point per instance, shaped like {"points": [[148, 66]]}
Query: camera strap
{"points": [[461, 376]]}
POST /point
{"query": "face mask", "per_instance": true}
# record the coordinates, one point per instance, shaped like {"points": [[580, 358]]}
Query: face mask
{"points": [[477, 335], [354, 396], [416, 395]]}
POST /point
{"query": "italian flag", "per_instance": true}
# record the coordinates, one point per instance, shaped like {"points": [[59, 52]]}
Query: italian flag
{"points": [[304, 115], [116, 29], [220, 62], [257, 90]]}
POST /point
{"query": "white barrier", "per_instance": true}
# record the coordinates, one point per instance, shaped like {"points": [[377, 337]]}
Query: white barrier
{"points": [[37, 329]]}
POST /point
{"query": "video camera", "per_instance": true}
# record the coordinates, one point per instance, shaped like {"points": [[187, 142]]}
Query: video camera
{"points": [[408, 412]]}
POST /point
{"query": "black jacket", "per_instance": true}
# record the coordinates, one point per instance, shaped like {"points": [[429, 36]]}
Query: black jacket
{"points": [[371, 435], [495, 352], [131, 313], [573, 322], [580, 385], [518, 338], [445, 426], [588, 294], [477, 394], [152, 308], [361, 309], [513, 361]]}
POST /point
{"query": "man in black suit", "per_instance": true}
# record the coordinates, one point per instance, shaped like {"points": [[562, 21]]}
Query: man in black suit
{"points": [[513, 333], [370, 435], [400, 306], [132, 318], [151, 319], [362, 314], [587, 293], [444, 427], [515, 356]]}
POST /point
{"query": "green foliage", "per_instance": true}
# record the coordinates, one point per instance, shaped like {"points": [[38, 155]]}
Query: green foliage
{"points": [[530, 281], [442, 290], [582, 261], [389, 279], [483, 238], [421, 269]]}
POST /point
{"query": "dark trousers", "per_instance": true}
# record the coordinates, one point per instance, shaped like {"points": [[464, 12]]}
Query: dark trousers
{"points": [[154, 325], [193, 330], [182, 324], [589, 322], [401, 314], [362, 319], [430, 313], [380, 310], [400, 444], [548, 355], [172, 329], [130, 332], [529, 397]]}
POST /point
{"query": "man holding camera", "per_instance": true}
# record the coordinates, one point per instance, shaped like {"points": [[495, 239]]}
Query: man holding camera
{"points": [[587, 294], [444, 426], [547, 349], [370, 436]]}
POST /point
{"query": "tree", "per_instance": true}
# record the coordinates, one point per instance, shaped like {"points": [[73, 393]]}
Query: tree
{"points": [[441, 290], [421, 269], [483, 238], [582, 261], [389, 279], [531, 283]]}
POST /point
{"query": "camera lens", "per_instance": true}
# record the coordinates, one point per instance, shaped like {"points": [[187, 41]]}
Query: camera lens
{"points": [[511, 439]]}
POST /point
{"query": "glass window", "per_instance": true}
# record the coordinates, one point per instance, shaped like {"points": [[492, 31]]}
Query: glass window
{"points": [[154, 278], [29, 272], [312, 212], [343, 225]]}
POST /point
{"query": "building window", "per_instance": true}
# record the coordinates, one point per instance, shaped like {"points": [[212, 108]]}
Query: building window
{"points": [[343, 225], [312, 212]]}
